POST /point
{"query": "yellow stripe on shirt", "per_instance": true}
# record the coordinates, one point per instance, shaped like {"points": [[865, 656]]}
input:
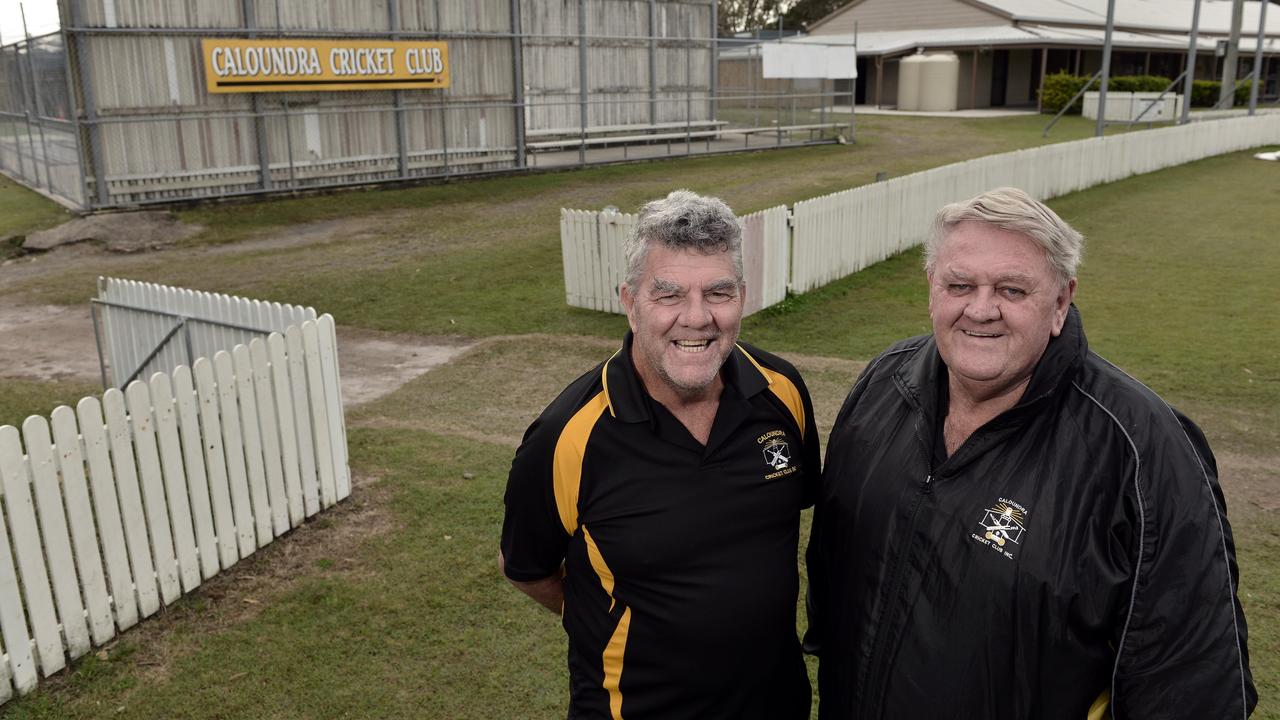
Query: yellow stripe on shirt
{"points": [[781, 386], [566, 469], [616, 649]]}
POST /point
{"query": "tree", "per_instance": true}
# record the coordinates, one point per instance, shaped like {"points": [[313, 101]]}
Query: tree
{"points": [[804, 13], [745, 15]]}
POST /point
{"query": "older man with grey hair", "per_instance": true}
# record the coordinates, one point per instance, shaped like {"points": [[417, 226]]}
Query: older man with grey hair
{"points": [[1010, 526], [655, 504]]}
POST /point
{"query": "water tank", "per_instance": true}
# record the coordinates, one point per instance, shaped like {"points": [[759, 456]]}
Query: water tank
{"points": [[909, 73], [939, 78]]}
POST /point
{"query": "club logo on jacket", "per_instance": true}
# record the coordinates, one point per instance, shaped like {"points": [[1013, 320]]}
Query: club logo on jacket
{"points": [[777, 453], [1002, 527]]}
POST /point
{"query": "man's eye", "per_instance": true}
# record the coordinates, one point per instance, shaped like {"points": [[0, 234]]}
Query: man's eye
{"points": [[1013, 293], [719, 297], [959, 287], [667, 299]]}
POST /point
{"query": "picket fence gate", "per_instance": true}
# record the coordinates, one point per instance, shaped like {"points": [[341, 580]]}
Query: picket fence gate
{"points": [[144, 328], [123, 505], [836, 235], [591, 244]]}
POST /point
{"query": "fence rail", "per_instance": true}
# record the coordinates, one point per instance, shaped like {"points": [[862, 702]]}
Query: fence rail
{"points": [[125, 504], [591, 244], [835, 235], [147, 328]]}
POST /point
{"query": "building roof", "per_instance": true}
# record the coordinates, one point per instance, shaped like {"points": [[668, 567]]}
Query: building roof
{"points": [[1166, 15], [1133, 15], [905, 41]]}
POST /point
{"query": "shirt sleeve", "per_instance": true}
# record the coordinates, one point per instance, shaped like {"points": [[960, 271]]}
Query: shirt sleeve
{"points": [[1181, 639], [533, 539]]}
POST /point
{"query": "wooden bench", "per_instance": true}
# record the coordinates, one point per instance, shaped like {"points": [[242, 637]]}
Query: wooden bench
{"points": [[633, 129], [780, 129]]}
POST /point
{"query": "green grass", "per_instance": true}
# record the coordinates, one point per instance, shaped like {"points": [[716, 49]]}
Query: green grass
{"points": [[24, 211], [391, 605], [22, 398], [424, 260]]}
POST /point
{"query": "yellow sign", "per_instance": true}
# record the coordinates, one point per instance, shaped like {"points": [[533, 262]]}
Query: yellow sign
{"points": [[294, 65]]}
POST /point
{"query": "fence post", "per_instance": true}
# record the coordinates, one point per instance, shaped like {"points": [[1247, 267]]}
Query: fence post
{"points": [[26, 111], [517, 82], [84, 66], [653, 62], [582, 81], [74, 110], [393, 19], [259, 122], [35, 98]]}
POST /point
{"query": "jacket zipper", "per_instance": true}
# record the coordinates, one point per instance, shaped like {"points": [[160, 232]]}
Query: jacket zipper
{"points": [[877, 665]]}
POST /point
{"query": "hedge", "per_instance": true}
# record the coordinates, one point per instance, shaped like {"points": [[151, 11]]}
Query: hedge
{"points": [[1062, 86]]}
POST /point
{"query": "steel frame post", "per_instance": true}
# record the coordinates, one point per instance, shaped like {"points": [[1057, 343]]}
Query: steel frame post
{"points": [[85, 75], [402, 150], [35, 99], [75, 114], [259, 121], [582, 81], [1191, 65], [713, 104], [653, 62], [1257, 59], [517, 82], [1101, 125]]}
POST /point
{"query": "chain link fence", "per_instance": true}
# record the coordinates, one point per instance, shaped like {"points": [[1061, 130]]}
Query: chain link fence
{"points": [[39, 144], [114, 111]]}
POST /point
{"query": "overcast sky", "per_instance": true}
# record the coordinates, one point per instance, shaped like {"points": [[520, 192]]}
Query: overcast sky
{"points": [[42, 17]]}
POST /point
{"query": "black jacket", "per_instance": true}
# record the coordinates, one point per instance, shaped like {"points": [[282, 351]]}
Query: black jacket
{"points": [[1072, 554]]}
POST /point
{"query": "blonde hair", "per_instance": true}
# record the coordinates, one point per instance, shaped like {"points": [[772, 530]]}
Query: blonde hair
{"points": [[1013, 210]]}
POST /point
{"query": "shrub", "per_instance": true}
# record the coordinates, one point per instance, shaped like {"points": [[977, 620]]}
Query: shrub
{"points": [[1138, 83], [1059, 88], [1204, 92]]}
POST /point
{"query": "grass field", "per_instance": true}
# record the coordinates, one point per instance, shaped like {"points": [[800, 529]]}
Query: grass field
{"points": [[391, 606]]}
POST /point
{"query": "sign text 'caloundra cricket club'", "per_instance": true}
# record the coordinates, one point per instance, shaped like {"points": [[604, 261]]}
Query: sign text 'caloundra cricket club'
{"points": [[298, 65]]}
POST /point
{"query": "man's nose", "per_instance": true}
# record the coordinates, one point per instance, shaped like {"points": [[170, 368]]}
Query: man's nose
{"points": [[696, 312], [984, 305]]}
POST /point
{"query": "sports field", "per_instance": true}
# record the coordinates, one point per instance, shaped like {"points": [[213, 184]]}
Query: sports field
{"points": [[391, 606]]}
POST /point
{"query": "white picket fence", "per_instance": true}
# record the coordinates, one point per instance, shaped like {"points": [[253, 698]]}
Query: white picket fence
{"points": [[140, 318], [123, 505], [594, 266], [833, 236]]}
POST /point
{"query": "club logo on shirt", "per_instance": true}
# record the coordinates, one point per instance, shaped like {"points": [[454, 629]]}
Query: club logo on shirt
{"points": [[777, 453], [1002, 527]]}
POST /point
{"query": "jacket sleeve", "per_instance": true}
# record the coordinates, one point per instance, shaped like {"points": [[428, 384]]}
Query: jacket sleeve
{"points": [[816, 573], [1181, 639]]}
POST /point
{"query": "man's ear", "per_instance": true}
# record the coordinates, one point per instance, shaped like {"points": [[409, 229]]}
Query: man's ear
{"points": [[1062, 305], [626, 295]]}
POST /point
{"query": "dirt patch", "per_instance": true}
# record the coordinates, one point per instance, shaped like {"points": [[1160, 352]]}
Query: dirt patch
{"points": [[118, 232], [1250, 478], [55, 342], [374, 364], [47, 342]]}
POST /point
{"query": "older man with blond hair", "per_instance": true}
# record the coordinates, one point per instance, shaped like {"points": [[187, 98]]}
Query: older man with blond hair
{"points": [[1009, 525]]}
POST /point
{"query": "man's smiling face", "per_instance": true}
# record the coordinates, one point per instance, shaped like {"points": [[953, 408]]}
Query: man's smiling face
{"points": [[995, 301], [685, 312]]}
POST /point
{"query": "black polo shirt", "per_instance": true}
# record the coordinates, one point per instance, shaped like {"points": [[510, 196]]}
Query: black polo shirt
{"points": [[679, 558]]}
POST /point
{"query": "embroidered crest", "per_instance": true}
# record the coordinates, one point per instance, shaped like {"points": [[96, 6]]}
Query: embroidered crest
{"points": [[1003, 526]]}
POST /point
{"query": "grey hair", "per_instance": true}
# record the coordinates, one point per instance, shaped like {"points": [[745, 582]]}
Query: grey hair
{"points": [[684, 220], [1013, 210]]}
